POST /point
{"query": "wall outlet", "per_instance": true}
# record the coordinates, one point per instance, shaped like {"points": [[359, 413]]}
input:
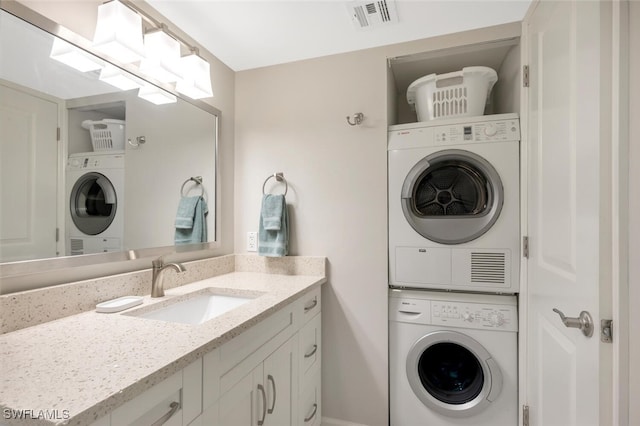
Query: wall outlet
{"points": [[252, 241]]}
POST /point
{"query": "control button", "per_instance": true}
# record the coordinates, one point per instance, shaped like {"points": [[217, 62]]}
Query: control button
{"points": [[490, 130]]}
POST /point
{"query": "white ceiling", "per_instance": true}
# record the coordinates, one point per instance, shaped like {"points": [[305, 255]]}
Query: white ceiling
{"points": [[251, 34]]}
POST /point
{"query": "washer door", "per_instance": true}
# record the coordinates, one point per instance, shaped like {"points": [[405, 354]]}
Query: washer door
{"points": [[453, 374], [93, 203], [452, 196]]}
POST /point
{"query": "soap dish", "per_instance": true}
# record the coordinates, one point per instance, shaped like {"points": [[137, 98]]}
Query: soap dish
{"points": [[119, 304]]}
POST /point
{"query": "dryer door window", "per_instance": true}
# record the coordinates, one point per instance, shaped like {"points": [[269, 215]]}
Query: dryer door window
{"points": [[93, 203], [452, 196], [453, 374]]}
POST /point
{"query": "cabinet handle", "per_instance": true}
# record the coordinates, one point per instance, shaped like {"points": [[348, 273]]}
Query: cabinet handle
{"points": [[313, 351], [273, 384], [162, 420], [315, 409], [264, 405], [311, 306]]}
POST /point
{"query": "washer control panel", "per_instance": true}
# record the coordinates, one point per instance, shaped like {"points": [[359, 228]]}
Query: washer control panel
{"points": [[473, 315], [501, 130]]}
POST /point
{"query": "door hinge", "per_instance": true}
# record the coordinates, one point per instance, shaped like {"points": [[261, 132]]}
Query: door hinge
{"points": [[525, 76], [58, 134], [525, 415], [606, 331], [525, 247], [57, 234]]}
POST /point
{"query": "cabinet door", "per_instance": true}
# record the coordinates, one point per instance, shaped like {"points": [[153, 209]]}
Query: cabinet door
{"points": [[244, 404], [280, 382]]}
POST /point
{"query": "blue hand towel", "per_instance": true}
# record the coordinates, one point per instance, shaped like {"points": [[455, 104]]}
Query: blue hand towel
{"points": [[273, 230], [191, 211]]}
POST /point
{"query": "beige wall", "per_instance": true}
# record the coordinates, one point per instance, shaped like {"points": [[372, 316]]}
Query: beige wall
{"points": [[634, 208], [291, 118]]}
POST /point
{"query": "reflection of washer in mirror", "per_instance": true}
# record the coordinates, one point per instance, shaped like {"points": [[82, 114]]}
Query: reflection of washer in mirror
{"points": [[93, 203], [452, 196]]}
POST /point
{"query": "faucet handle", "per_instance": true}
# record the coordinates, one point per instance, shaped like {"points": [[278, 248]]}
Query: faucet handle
{"points": [[157, 263]]}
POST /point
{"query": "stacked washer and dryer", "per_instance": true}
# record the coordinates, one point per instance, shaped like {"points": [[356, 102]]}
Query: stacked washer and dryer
{"points": [[454, 271], [95, 191]]}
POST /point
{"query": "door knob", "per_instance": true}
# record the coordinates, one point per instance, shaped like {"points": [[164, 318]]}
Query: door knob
{"points": [[584, 322]]}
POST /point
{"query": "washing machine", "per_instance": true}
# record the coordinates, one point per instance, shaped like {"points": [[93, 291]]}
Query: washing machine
{"points": [[452, 359], [95, 193], [454, 204]]}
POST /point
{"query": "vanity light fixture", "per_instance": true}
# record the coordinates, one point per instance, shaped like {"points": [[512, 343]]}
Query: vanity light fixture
{"points": [[196, 77], [72, 56], [117, 78], [156, 95], [119, 32], [162, 56]]}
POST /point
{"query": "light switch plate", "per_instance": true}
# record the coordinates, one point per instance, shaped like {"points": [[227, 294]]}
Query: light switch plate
{"points": [[252, 241]]}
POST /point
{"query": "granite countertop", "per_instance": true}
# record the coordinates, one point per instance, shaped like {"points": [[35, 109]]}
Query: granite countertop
{"points": [[81, 367]]}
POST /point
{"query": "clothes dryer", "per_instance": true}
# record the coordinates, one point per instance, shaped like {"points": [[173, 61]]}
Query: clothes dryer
{"points": [[95, 193], [454, 216], [452, 359]]}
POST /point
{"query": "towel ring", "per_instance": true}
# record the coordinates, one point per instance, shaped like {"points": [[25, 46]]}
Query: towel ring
{"points": [[197, 180], [280, 178]]}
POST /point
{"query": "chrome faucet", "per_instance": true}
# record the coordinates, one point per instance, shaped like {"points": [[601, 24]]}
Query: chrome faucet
{"points": [[157, 284]]}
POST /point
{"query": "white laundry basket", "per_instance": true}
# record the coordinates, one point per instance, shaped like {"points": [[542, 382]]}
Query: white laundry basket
{"points": [[456, 94], [106, 134]]}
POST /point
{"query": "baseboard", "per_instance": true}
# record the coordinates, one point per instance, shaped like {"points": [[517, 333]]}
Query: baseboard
{"points": [[328, 421]]}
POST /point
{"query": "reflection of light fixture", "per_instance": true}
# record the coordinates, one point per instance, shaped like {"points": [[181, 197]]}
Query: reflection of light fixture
{"points": [[156, 95], [118, 78], [119, 32], [74, 57], [162, 55], [196, 77]]}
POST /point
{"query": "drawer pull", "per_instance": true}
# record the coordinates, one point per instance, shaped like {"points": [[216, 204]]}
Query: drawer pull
{"points": [[273, 384], [264, 405], [313, 351], [315, 409], [162, 420], [313, 304]]}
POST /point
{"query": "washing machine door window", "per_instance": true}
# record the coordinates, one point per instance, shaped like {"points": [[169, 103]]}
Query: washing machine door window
{"points": [[93, 203], [453, 374], [452, 196]]}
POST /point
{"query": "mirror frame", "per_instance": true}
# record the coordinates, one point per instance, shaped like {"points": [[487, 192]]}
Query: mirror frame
{"points": [[29, 274]]}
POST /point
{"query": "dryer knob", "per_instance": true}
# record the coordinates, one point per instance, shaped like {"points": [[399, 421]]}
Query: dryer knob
{"points": [[490, 130]]}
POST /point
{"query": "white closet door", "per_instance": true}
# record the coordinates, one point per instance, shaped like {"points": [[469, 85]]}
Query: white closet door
{"points": [[568, 373], [28, 128]]}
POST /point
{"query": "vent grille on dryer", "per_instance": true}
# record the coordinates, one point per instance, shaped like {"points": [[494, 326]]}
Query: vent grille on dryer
{"points": [[488, 267], [77, 246]]}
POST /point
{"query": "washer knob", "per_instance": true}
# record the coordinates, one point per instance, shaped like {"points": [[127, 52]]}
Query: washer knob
{"points": [[496, 319], [467, 317]]}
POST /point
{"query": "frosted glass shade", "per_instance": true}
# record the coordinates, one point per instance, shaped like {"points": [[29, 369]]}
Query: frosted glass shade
{"points": [[119, 32], [118, 78], [74, 57], [196, 77], [162, 56], [156, 95]]}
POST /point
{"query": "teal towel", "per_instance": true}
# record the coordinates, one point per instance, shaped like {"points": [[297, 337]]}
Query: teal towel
{"points": [[191, 211], [273, 229]]}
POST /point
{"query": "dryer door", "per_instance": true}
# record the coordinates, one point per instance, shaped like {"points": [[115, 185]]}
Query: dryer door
{"points": [[93, 203], [453, 374], [452, 196]]}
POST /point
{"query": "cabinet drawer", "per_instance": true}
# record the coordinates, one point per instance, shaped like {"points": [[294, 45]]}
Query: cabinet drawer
{"points": [[310, 347], [310, 403], [309, 305]]}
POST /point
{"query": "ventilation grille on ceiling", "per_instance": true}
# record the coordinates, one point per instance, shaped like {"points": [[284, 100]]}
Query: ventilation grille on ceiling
{"points": [[368, 14], [487, 267]]}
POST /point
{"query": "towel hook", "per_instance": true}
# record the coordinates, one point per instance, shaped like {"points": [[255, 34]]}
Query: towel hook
{"points": [[279, 176], [358, 117], [197, 180]]}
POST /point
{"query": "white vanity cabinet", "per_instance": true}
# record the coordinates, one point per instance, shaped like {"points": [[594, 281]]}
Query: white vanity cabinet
{"points": [[269, 375]]}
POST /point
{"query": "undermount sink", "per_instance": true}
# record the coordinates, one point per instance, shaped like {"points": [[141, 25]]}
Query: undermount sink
{"points": [[196, 309]]}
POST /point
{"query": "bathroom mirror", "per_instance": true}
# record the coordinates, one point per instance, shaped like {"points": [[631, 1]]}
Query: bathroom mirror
{"points": [[52, 124]]}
